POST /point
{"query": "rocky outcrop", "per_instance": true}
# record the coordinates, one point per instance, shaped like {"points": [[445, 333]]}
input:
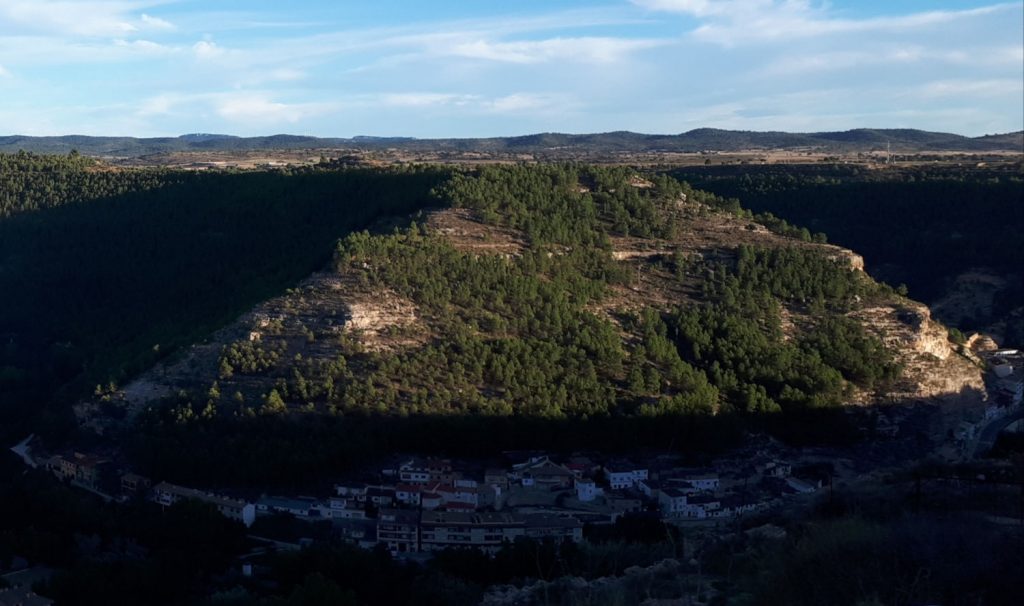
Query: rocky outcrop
{"points": [[379, 318], [845, 256], [464, 230], [979, 343], [932, 365], [622, 255]]}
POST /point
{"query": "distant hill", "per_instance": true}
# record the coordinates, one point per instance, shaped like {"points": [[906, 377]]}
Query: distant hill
{"points": [[701, 139]]}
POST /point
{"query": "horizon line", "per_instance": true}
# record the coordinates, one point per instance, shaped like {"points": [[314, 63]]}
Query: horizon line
{"points": [[528, 134]]}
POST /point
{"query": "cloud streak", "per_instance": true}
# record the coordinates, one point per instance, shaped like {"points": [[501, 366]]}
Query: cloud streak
{"points": [[162, 67], [87, 18], [744, 22]]}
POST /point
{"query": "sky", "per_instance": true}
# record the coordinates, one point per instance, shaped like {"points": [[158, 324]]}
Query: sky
{"points": [[473, 68]]}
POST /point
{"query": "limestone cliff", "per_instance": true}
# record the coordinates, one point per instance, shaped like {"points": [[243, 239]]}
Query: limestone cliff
{"points": [[932, 364]]}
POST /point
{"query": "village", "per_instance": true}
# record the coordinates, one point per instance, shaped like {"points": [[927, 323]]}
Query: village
{"points": [[420, 505], [413, 506]]}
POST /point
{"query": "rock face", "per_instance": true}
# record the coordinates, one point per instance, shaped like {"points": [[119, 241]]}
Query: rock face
{"points": [[307, 318], [852, 259], [464, 230], [932, 365], [981, 343], [379, 318]]}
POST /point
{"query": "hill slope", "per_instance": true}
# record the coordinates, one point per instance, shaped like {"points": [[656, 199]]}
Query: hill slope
{"points": [[554, 293]]}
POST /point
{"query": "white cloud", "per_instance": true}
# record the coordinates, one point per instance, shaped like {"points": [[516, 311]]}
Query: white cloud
{"points": [[934, 106], [586, 49], [3, 72], [162, 104], [522, 102], [286, 74], [970, 88], [145, 46], [257, 108], [471, 103], [699, 8], [156, 23], [35, 53], [1010, 55], [892, 56], [246, 108], [89, 18], [204, 49], [737, 22], [425, 99]]}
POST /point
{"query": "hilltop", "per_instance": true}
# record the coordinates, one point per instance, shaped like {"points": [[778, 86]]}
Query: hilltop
{"points": [[355, 311], [581, 298], [697, 140]]}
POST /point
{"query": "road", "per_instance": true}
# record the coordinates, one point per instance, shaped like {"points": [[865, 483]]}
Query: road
{"points": [[23, 450], [987, 437]]}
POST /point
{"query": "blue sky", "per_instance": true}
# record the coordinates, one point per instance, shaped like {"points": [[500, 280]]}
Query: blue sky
{"points": [[487, 68]]}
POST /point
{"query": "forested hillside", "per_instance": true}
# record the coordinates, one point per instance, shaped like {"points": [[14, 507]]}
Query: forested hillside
{"points": [[532, 307], [32, 182], [919, 226], [104, 273], [306, 322], [531, 301]]}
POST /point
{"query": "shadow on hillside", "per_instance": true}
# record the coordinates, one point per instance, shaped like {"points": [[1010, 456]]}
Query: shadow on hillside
{"points": [[100, 290], [301, 450]]}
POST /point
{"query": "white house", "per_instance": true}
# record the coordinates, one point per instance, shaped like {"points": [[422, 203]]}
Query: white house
{"points": [[702, 507], [381, 496], [775, 469], [408, 494], [674, 502], [343, 508], [416, 471], [542, 471], [431, 500], [587, 490], [619, 478], [621, 475], [458, 494], [649, 488], [413, 472], [167, 494], [301, 507], [354, 491]]}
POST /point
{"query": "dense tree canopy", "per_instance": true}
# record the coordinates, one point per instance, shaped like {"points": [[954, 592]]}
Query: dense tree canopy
{"points": [[30, 182], [96, 292], [921, 226], [516, 337]]}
